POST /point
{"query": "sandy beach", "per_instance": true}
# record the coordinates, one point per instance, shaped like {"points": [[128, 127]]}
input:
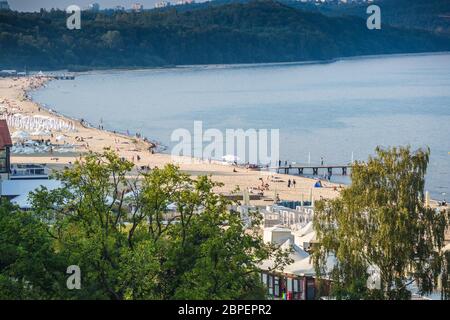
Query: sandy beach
{"points": [[81, 139]]}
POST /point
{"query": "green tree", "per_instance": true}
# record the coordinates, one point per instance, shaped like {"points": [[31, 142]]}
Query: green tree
{"points": [[380, 221], [129, 245], [29, 266]]}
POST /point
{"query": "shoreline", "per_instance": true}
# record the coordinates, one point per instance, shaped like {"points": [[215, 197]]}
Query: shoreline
{"points": [[84, 123], [246, 65], [14, 94]]}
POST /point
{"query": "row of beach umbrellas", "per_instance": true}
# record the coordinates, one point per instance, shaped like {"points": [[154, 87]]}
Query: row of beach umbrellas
{"points": [[38, 123]]}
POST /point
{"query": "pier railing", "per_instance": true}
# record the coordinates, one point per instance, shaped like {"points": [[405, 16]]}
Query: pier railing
{"points": [[315, 168]]}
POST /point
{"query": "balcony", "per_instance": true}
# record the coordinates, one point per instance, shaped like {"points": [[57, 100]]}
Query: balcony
{"points": [[28, 171]]}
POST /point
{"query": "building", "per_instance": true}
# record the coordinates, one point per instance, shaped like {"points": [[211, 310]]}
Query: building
{"points": [[5, 150], [18, 180], [162, 4], [119, 8], [17, 191], [137, 7], [183, 2], [4, 5], [95, 7], [8, 73], [291, 227]]}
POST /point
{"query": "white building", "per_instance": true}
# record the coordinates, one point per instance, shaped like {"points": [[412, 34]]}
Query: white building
{"points": [[278, 235], [95, 7], [18, 191], [138, 7], [183, 2], [162, 4]]}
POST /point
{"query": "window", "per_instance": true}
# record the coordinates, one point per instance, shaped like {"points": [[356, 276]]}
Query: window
{"points": [[270, 284], [277, 287], [3, 165], [290, 284], [3, 160]]}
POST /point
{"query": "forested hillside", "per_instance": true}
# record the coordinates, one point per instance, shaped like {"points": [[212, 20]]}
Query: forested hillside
{"points": [[260, 31]]}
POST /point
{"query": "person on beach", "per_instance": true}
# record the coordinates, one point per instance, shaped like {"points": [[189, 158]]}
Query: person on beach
{"points": [[289, 183], [293, 182]]}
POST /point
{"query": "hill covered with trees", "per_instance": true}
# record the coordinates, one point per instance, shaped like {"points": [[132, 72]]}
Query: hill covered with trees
{"points": [[431, 15], [253, 32]]}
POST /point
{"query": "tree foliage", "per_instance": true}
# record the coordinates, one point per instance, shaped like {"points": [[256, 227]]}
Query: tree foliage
{"points": [[380, 223], [29, 269]]}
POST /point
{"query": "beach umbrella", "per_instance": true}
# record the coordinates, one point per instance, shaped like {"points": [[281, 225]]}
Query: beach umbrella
{"points": [[20, 135], [41, 133], [230, 158]]}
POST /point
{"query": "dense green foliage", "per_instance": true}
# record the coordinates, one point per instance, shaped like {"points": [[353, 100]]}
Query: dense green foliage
{"points": [[380, 223], [431, 15], [29, 269], [261, 31], [129, 245]]}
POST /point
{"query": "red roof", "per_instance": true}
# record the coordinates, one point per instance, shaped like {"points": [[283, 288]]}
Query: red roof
{"points": [[5, 137]]}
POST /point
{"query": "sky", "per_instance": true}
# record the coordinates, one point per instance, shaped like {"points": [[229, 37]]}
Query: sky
{"points": [[35, 5]]}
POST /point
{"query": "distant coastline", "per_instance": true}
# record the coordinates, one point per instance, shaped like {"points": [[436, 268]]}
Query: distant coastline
{"points": [[107, 70]]}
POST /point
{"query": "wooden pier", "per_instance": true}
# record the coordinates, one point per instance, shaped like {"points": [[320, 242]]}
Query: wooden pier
{"points": [[315, 168]]}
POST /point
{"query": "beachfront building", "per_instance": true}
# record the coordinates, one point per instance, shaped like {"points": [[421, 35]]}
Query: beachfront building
{"points": [[291, 227], [4, 5], [18, 180], [18, 191], [5, 150], [8, 73], [296, 281], [137, 7]]}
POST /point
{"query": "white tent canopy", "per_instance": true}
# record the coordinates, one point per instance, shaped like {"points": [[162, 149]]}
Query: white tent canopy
{"points": [[230, 158], [22, 201]]}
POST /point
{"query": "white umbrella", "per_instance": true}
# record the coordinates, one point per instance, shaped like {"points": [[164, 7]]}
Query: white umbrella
{"points": [[41, 133], [20, 135]]}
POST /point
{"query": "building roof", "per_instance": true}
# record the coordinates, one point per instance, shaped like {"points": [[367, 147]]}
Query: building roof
{"points": [[14, 188], [5, 137]]}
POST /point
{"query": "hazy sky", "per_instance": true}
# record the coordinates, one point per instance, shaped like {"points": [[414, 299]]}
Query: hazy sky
{"points": [[35, 5]]}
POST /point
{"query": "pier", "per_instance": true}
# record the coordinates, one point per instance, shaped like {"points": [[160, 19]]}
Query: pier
{"points": [[63, 77], [315, 168]]}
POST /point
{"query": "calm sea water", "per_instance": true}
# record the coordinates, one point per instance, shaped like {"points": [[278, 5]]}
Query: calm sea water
{"points": [[322, 110]]}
